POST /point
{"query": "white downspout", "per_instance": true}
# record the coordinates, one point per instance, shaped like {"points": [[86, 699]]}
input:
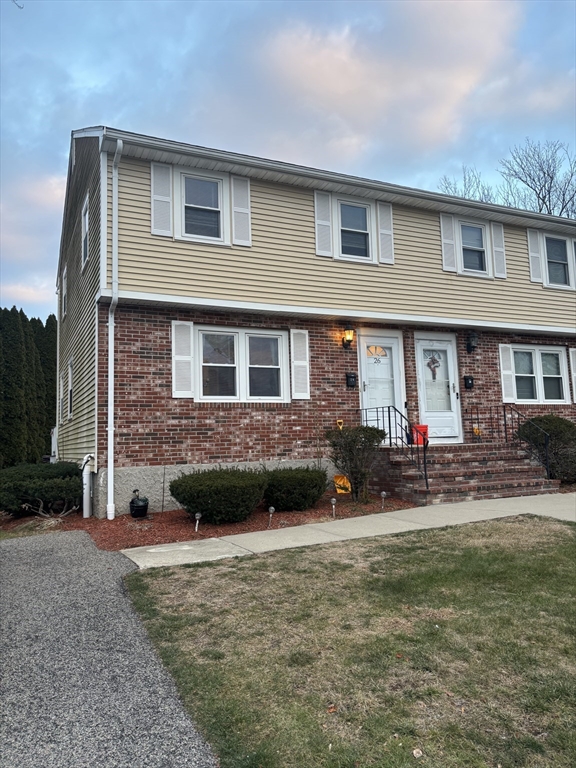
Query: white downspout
{"points": [[110, 506], [87, 485]]}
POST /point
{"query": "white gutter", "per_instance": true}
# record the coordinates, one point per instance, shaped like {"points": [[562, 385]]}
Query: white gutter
{"points": [[110, 506], [87, 485]]}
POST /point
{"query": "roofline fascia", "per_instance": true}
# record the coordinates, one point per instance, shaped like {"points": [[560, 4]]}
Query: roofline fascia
{"points": [[277, 166]]}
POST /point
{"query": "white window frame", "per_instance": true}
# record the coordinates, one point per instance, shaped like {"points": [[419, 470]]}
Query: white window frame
{"points": [[223, 180], [537, 352], [370, 206], [85, 242], [70, 391], [241, 336], [64, 298], [571, 256], [488, 272]]}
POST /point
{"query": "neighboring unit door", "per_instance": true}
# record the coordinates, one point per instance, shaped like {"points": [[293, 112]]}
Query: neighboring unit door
{"points": [[381, 380], [438, 395]]}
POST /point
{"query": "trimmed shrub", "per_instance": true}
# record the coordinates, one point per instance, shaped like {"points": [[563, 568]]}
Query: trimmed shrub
{"points": [[43, 488], [354, 451], [220, 495], [561, 447], [294, 488]]}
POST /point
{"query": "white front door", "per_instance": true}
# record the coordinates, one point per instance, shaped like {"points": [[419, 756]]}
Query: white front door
{"points": [[438, 393], [381, 378]]}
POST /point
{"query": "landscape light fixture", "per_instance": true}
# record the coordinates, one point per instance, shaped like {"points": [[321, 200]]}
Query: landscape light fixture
{"points": [[348, 337]]}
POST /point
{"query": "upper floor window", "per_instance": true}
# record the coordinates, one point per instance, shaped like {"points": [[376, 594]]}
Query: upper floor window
{"points": [[552, 259], [85, 241], [200, 206], [353, 229], [534, 374], [474, 248]]}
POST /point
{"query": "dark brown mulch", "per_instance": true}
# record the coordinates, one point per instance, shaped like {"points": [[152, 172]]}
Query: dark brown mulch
{"points": [[176, 525]]}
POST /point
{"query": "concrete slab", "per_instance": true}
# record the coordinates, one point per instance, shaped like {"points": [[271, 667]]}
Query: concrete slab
{"points": [[283, 538], [183, 552], [371, 525]]}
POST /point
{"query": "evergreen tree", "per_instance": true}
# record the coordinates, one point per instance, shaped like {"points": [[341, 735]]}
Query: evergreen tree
{"points": [[13, 425], [34, 395], [45, 337]]}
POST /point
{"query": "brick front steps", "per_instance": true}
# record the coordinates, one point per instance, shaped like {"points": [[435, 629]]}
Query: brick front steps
{"points": [[461, 473]]}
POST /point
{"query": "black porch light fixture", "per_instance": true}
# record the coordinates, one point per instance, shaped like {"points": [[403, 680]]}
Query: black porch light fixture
{"points": [[348, 337], [472, 342]]}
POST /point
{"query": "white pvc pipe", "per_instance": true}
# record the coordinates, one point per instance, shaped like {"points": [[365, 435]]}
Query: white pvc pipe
{"points": [[87, 485], [110, 506]]}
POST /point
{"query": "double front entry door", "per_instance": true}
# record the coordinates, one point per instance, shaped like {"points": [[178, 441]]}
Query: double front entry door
{"points": [[382, 382]]}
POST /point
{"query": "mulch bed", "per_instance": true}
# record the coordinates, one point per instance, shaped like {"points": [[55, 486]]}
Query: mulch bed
{"points": [[176, 525]]}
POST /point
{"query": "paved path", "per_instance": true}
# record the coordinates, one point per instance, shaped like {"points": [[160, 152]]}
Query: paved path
{"points": [[81, 685], [558, 505]]}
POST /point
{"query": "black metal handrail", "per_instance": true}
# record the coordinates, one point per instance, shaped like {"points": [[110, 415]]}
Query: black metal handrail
{"points": [[513, 421], [401, 434]]}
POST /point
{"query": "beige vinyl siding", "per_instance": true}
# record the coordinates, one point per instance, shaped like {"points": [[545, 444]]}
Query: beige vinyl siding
{"points": [[77, 436], [281, 267]]}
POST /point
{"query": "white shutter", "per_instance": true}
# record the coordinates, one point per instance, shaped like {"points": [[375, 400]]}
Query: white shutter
{"points": [[535, 255], [241, 229], [161, 199], [385, 234], [300, 365], [323, 212], [449, 263], [573, 371], [498, 251], [182, 360], [507, 374]]}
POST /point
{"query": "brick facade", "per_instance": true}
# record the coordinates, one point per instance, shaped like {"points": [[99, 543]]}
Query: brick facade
{"points": [[155, 429]]}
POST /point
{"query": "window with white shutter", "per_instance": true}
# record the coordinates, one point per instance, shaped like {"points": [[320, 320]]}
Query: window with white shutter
{"points": [[472, 247], [385, 233], [323, 213], [300, 364], [241, 228], [161, 199], [182, 360]]}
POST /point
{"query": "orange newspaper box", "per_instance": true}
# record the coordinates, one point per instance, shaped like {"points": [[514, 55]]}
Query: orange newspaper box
{"points": [[419, 434]]}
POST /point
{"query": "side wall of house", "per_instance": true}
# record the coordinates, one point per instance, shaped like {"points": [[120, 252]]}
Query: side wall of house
{"points": [[158, 436], [77, 434]]}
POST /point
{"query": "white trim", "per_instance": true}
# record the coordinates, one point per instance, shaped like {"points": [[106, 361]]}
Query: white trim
{"points": [[451, 340], [537, 350], [353, 313], [103, 217], [240, 213], [185, 358], [223, 181], [371, 224], [323, 223], [85, 231], [572, 352], [161, 206], [241, 364], [570, 256], [300, 365], [64, 294]]}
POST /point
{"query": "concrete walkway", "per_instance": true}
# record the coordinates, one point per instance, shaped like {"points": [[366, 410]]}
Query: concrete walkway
{"points": [[561, 506]]}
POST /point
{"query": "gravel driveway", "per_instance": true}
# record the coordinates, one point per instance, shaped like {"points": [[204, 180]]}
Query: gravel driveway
{"points": [[80, 682]]}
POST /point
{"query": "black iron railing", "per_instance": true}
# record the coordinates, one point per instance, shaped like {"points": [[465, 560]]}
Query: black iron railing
{"points": [[400, 433], [534, 439], [484, 424]]}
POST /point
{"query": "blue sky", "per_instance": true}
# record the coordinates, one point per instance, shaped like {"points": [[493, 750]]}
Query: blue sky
{"points": [[398, 91]]}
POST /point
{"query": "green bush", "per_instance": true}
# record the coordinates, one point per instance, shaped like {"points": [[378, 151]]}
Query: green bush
{"points": [[294, 489], [46, 488], [354, 451], [220, 495], [561, 447]]}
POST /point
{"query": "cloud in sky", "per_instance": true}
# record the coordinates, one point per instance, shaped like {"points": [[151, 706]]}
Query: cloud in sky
{"points": [[402, 91]]}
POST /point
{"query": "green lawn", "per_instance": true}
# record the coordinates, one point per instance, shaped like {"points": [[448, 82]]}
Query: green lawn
{"points": [[457, 643]]}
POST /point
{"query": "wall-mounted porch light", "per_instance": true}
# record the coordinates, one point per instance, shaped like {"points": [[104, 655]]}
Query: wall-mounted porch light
{"points": [[348, 337], [471, 342]]}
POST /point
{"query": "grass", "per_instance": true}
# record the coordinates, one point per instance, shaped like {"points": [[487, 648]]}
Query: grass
{"points": [[460, 643]]}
